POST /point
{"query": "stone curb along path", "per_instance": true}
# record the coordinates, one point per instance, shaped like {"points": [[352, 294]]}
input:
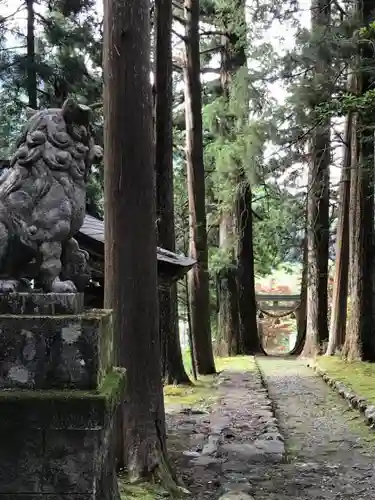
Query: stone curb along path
{"points": [[355, 402]]}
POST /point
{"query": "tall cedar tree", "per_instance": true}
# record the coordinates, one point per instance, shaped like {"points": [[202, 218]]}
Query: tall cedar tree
{"points": [[198, 278], [318, 194], [301, 311], [237, 306], [359, 341], [247, 307], [228, 323], [233, 57], [31, 63], [173, 370], [340, 287], [130, 230]]}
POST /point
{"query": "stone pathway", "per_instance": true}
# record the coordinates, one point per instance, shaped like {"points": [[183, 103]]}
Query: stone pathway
{"points": [[330, 458], [234, 451], [215, 450]]}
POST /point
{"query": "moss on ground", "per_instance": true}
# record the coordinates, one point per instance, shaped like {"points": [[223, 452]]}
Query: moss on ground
{"points": [[204, 391], [357, 376], [198, 393], [236, 364], [146, 491]]}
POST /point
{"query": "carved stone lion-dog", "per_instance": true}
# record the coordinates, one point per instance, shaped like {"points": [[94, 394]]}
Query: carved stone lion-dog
{"points": [[42, 201]]}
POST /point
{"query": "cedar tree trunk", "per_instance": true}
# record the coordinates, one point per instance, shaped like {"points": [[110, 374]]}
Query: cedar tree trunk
{"points": [[198, 277], [340, 286], [301, 311], [318, 198], [173, 370], [359, 342], [247, 307], [130, 235], [228, 322], [31, 66]]}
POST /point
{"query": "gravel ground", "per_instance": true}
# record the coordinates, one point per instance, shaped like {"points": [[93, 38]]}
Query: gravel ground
{"points": [[330, 452]]}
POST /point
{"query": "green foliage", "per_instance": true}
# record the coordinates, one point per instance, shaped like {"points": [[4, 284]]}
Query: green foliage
{"points": [[278, 228], [67, 63]]}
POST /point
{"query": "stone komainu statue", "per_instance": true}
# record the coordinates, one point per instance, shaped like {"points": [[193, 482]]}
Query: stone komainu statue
{"points": [[42, 201]]}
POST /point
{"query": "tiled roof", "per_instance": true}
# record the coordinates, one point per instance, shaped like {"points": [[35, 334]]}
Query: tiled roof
{"points": [[94, 228]]}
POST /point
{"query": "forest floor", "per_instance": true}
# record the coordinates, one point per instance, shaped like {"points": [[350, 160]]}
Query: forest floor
{"points": [[218, 434]]}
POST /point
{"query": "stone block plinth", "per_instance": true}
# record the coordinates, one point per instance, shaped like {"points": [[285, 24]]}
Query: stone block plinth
{"points": [[55, 352], [41, 303], [59, 445], [60, 399]]}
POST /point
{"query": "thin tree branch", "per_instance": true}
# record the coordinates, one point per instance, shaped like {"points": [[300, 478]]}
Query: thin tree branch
{"points": [[181, 37], [179, 19], [212, 49], [3, 19]]}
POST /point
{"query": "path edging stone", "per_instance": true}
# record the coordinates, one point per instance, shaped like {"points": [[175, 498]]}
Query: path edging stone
{"points": [[355, 402], [273, 410]]}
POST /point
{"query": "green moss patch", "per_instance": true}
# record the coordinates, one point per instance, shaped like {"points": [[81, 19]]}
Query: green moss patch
{"points": [[204, 392], [233, 363], [357, 376], [141, 491], [236, 364], [62, 409], [200, 392]]}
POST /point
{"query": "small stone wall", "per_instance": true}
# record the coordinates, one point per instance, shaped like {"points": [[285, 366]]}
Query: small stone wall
{"points": [[355, 402]]}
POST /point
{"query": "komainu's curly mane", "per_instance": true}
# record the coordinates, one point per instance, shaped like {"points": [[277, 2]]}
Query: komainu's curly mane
{"points": [[42, 196]]}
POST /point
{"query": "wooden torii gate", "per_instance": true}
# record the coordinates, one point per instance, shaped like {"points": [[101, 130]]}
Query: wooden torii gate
{"points": [[283, 305], [286, 304]]}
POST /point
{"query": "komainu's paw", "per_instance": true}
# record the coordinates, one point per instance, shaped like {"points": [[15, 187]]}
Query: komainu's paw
{"points": [[9, 286], [63, 286]]}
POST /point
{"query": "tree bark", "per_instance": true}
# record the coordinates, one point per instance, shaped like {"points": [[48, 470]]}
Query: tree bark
{"points": [[31, 64], [228, 322], [130, 235], [301, 313], [360, 342], [173, 370], [247, 307], [340, 287], [318, 199], [198, 276], [228, 343], [233, 57]]}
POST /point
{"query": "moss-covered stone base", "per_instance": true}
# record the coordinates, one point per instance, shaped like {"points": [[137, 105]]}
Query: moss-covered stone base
{"points": [[59, 445]]}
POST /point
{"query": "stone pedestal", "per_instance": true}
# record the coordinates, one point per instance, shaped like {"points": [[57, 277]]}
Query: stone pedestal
{"points": [[59, 400]]}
